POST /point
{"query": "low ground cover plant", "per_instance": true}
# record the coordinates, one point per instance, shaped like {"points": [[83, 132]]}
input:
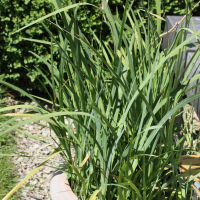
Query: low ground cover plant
{"points": [[8, 178], [123, 97]]}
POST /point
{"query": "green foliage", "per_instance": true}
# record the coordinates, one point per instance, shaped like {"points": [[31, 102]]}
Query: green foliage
{"points": [[120, 96], [7, 170], [19, 65]]}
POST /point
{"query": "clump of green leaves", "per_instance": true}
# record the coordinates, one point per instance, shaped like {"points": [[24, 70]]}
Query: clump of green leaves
{"points": [[120, 96]]}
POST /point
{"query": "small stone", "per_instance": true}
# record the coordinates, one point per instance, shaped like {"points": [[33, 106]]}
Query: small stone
{"points": [[31, 128], [46, 106], [45, 133], [36, 146], [46, 152], [33, 103], [33, 182], [20, 159]]}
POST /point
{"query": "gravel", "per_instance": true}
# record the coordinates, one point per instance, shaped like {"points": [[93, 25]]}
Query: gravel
{"points": [[38, 186]]}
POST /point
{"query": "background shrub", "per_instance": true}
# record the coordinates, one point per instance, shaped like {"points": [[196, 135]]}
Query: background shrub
{"points": [[18, 64]]}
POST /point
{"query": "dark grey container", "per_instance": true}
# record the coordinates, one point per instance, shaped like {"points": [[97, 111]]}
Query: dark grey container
{"points": [[196, 71], [168, 40], [171, 21]]}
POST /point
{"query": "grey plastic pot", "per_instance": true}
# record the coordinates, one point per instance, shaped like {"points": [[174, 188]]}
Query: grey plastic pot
{"points": [[59, 186]]}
